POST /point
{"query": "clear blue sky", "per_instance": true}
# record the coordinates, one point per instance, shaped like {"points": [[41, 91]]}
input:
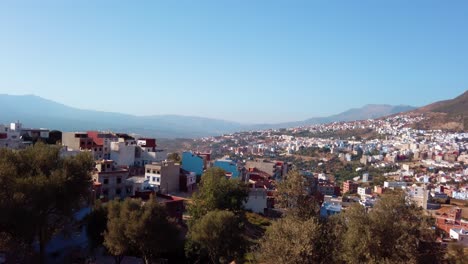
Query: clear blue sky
{"points": [[250, 61]]}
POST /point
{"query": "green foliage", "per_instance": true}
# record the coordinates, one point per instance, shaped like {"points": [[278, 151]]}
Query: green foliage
{"points": [[174, 157], [456, 254], [257, 220], [55, 137], [217, 192], [390, 233], [293, 194], [143, 228], [219, 233], [313, 151], [292, 240], [96, 223], [37, 183]]}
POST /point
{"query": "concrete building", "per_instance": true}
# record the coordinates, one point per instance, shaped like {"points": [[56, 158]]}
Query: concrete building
{"points": [[187, 181], [137, 184], [123, 153], [419, 195], [257, 201], [194, 162], [112, 180], [10, 137], [275, 169], [460, 234], [394, 184], [350, 187], [363, 191], [329, 208], [164, 176], [77, 140]]}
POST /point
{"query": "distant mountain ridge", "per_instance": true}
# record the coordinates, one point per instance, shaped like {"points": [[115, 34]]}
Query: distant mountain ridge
{"points": [[447, 114], [45, 113], [369, 111]]}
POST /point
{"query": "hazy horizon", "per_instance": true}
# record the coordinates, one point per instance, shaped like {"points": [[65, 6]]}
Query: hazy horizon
{"points": [[244, 61]]}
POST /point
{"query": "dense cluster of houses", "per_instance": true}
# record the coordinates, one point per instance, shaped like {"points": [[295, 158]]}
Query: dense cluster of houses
{"points": [[431, 166]]}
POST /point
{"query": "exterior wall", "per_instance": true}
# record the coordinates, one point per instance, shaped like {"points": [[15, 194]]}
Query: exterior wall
{"points": [[394, 184], [136, 184], [69, 140], [192, 163], [257, 201], [460, 234], [76, 141], [9, 138], [350, 187], [364, 190], [113, 183], [123, 154], [164, 175], [228, 166]]}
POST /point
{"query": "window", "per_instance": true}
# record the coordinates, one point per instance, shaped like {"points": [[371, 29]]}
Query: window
{"points": [[95, 149], [108, 166], [154, 171], [157, 179], [106, 181], [100, 149], [118, 191], [154, 179], [119, 180], [157, 172], [148, 171], [148, 177]]}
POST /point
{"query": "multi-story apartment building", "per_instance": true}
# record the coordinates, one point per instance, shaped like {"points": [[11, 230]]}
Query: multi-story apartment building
{"points": [[77, 140], [350, 187], [363, 191], [10, 136], [164, 176], [111, 180]]}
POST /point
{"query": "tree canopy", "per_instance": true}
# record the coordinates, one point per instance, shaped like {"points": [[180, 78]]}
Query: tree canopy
{"points": [[144, 228], [294, 194], [39, 192], [219, 233], [217, 192]]}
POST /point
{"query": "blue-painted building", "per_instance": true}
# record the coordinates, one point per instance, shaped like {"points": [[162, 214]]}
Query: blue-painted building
{"points": [[193, 163], [329, 208], [229, 166]]}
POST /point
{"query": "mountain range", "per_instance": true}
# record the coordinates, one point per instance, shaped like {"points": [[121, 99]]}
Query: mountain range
{"points": [[34, 111]]}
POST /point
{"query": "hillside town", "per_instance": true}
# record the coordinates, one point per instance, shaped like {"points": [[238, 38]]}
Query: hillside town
{"points": [[343, 164]]}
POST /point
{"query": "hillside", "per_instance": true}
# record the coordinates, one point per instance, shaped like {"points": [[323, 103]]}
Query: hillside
{"points": [[448, 114]]}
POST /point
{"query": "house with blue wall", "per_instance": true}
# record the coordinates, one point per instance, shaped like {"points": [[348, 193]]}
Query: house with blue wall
{"points": [[192, 162], [329, 208], [229, 166]]}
